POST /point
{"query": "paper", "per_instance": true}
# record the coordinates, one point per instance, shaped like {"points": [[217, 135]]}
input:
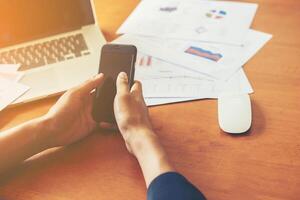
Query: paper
{"points": [[201, 20], [10, 91], [150, 67], [195, 87], [235, 85], [217, 61], [9, 72], [12, 76], [9, 67], [162, 101], [162, 79]]}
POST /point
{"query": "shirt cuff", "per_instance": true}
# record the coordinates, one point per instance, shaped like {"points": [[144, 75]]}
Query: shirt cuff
{"points": [[172, 185]]}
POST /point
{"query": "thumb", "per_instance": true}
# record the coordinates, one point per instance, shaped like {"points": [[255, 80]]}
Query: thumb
{"points": [[122, 83]]}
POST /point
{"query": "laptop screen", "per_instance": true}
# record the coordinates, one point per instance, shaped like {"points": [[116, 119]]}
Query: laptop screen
{"points": [[25, 20]]}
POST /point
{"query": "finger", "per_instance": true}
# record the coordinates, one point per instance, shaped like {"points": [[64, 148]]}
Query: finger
{"points": [[93, 93], [137, 88], [91, 84], [122, 83]]}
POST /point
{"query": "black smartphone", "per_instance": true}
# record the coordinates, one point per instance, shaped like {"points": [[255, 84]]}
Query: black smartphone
{"points": [[115, 58]]}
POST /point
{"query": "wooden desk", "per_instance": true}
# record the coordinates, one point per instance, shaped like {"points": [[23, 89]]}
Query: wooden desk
{"points": [[262, 165]]}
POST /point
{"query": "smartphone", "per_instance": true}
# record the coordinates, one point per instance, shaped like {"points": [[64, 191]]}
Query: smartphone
{"points": [[115, 58]]}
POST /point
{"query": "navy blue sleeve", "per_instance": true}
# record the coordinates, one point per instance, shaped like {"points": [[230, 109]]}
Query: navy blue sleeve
{"points": [[173, 186]]}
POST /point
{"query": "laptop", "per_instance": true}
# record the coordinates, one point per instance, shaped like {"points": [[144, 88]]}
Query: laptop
{"points": [[56, 42]]}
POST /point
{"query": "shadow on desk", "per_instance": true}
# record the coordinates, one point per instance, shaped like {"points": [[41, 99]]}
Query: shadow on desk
{"points": [[91, 152]]}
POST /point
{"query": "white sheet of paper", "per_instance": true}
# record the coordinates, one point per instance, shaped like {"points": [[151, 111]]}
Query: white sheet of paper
{"points": [[218, 61], [195, 87], [229, 88], [162, 79], [12, 76], [153, 101], [200, 20], [149, 67], [9, 67], [162, 101], [10, 91]]}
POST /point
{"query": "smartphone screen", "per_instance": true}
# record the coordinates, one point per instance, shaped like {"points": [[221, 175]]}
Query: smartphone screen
{"points": [[114, 59]]}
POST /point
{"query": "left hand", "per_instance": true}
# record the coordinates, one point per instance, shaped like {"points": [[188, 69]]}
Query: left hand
{"points": [[70, 119]]}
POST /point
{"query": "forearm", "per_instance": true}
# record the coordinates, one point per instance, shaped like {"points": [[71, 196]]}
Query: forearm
{"points": [[19, 143], [151, 156]]}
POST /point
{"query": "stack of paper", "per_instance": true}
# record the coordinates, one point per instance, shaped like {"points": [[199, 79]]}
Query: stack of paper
{"points": [[192, 49], [10, 89]]}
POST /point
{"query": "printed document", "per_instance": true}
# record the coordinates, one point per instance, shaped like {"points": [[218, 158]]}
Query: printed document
{"points": [[12, 76], [217, 61], [200, 20], [10, 91], [162, 79], [9, 67]]}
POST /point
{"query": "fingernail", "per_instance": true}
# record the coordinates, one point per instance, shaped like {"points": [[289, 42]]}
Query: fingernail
{"points": [[123, 75], [98, 76]]}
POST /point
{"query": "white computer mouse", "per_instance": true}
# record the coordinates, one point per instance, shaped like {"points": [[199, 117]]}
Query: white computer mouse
{"points": [[234, 113]]}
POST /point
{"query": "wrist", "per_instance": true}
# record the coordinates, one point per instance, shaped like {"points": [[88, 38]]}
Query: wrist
{"points": [[138, 139], [149, 152], [143, 141], [44, 136]]}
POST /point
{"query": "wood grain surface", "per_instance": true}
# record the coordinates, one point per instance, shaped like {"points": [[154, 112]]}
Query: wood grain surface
{"points": [[261, 165]]}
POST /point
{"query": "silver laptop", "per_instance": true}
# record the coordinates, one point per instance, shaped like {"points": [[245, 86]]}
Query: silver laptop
{"points": [[57, 43]]}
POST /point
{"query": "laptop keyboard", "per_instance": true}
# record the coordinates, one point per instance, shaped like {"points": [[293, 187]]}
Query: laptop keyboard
{"points": [[49, 52]]}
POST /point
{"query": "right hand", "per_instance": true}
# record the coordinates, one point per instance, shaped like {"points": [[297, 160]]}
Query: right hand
{"points": [[131, 112], [134, 124]]}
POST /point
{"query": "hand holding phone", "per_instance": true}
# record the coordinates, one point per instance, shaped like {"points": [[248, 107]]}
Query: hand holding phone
{"points": [[114, 59]]}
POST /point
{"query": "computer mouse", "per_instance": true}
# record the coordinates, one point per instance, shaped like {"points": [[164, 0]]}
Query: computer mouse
{"points": [[234, 113]]}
